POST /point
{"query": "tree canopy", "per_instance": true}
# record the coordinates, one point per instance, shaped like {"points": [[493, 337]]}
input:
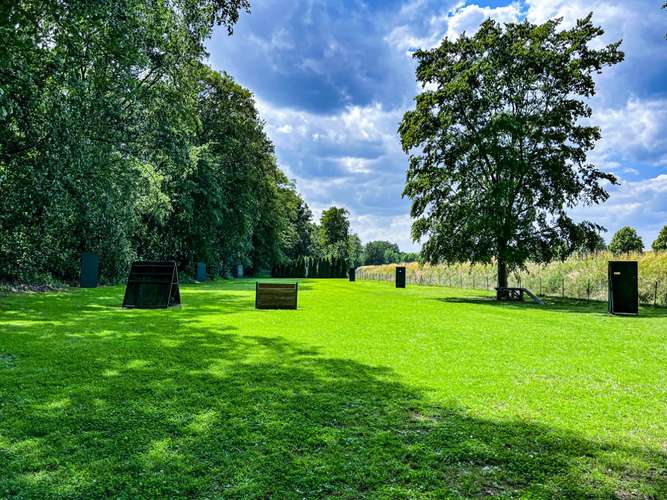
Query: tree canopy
{"points": [[660, 243], [385, 252], [498, 143], [335, 232], [626, 240], [379, 252], [115, 138]]}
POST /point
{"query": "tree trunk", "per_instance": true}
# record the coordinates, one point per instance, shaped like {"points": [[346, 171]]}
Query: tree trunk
{"points": [[502, 273]]}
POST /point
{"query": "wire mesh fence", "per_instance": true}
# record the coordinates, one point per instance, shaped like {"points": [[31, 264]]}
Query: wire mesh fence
{"points": [[573, 285]]}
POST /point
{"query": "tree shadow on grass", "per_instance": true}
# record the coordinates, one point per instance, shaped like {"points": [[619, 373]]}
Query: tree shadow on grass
{"points": [[215, 413], [552, 304]]}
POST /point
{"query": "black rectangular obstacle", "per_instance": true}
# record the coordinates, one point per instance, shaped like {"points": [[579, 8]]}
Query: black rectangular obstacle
{"points": [[352, 274], [623, 291], [201, 272], [152, 285], [90, 264], [400, 277], [276, 295]]}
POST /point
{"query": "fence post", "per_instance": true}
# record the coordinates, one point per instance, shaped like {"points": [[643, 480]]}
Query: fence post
{"points": [[655, 296], [473, 281], [562, 293], [588, 290], [540, 285]]}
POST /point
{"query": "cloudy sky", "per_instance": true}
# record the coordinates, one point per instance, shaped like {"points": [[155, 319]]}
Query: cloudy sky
{"points": [[332, 79]]}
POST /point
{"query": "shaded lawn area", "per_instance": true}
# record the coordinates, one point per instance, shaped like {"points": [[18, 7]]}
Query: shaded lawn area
{"points": [[364, 391]]}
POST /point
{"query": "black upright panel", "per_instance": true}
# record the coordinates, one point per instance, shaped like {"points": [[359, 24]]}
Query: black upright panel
{"points": [[201, 272], [352, 274], [90, 264], [400, 277], [152, 285], [623, 288]]}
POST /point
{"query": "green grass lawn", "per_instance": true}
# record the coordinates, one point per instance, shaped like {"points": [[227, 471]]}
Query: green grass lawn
{"points": [[366, 390]]}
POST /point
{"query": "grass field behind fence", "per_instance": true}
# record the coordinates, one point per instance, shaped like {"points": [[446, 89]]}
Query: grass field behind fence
{"points": [[364, 391], [580, 277]]}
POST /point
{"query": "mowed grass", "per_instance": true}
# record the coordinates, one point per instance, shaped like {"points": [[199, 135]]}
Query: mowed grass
{"points": [[365, 391]]}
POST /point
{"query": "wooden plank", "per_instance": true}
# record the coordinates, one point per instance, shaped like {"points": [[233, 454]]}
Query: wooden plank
{"points": [[276, 295]]}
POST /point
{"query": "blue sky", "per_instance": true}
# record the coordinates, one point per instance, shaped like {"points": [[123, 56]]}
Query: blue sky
{"points": [[332, 79]]}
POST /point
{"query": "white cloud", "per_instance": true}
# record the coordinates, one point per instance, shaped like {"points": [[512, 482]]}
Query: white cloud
{"points": [[634, 138], [390, 228], [640, 204], [467, 19], [636, 132], [450, 22]]}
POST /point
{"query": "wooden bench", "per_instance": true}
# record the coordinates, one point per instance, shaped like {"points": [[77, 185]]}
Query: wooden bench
{"points": [[515, 294], [276, 295]]}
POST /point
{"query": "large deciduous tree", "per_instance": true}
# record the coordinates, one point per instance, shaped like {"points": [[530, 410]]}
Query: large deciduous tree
{"points": [[498, 143], [626, 240], [334, 232]]}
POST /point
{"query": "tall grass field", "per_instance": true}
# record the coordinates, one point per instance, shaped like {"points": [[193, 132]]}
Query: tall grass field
{"points": [[580, 276], [365, 391]]}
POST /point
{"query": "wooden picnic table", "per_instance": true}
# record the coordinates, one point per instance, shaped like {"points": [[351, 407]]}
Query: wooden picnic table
{"points": [[515, 294]]}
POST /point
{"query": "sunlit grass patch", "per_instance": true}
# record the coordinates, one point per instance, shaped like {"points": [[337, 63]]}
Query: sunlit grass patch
{"points": [[364, 391]]}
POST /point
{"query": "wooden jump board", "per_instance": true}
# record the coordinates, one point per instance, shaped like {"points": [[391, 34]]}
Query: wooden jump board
{"points": [[152, 285], [516, 294], [276, 295]]}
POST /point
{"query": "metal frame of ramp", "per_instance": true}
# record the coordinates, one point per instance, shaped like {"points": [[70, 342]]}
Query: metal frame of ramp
{"points": [[535, 298]]}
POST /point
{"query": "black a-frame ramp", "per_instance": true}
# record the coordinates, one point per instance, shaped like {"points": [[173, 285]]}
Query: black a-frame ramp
{"points": [[152, 285]]}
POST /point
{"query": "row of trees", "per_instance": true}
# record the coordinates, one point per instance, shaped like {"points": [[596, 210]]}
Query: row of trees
{"points": [[116, 138], [626, 240], [385, 252], [312, 267]]}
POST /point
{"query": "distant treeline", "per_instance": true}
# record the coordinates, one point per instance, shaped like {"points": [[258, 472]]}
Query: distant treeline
{"points": [[312, 268]]}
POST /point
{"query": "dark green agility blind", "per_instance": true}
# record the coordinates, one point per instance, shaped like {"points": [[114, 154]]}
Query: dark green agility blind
{"points": [[201, 272], [352, 273], [400, 277], [90, 264], [623, 287], [152, 285]]}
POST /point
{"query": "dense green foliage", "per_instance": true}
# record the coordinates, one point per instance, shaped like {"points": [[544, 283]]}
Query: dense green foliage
{"points": [[660, 243], [498, 143], [116, 139], [385, 252], [380, 252], [355, 250], [364, 392], [335, 232], [592, 242], [626, 240]]}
